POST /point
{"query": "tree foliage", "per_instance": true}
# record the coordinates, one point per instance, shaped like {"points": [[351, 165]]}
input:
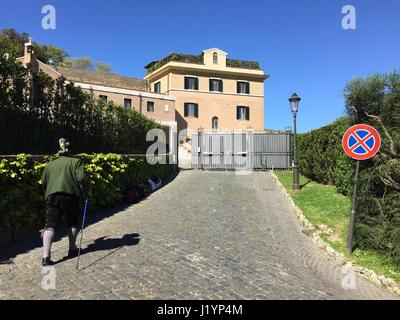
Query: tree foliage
{"points": [[35, 111], [103, 67], [80, 63], [376, 101], [87, 64], [13, 42]]}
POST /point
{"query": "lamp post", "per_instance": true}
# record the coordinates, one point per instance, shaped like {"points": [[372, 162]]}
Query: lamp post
{"points": [[294, 106]]}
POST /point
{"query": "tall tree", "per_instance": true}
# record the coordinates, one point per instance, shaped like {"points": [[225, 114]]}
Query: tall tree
{"points": [[103, 67], [14, 42], [82, 63]]}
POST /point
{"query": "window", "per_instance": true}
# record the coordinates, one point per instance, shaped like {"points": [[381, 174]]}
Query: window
{"points": [[157, 87], [216, 85], [104, 98], [215, 58], [214, 123], [191, 83], [191, 110], [128, 103], [243, 87], [242, 113], [150, 106]]}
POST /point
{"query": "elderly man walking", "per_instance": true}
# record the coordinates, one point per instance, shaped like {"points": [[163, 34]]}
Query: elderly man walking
{"points": [[64, 182]]}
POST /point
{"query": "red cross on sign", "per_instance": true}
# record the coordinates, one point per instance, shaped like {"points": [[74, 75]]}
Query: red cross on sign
{"points": [[361, 142]]}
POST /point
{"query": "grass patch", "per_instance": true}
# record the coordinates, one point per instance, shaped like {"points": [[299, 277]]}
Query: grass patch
{"points": [[321, 204]]}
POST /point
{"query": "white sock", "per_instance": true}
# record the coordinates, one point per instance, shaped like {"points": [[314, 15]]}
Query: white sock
{"points": [[72, 234], [48, 236]]}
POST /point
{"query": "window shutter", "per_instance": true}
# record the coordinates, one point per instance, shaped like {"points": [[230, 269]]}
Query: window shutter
{"points": [[238, 87], [247, 113], [211, 84], [237, 113], [196, 83], [248, 87], [186, 110], [186, 83], [196, 110], [221, 86]]}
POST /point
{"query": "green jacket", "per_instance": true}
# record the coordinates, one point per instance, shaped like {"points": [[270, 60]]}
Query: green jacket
{"points": [[65, 174]]}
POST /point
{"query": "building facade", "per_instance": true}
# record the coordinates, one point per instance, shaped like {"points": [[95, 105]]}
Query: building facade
{"points": [[210, 90], [181, 91]]}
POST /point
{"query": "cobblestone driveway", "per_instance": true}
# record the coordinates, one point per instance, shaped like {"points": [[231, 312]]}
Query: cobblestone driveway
{"points": [[206, 235]]}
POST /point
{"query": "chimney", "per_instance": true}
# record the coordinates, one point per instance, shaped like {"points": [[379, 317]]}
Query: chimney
{"points": [[29, 56]]}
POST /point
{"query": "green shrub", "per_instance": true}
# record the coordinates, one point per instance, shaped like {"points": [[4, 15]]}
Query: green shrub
{"points": [[375, 101], [321, 157], [22, 202]]}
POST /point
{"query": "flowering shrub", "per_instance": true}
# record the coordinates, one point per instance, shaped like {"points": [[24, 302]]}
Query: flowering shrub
{"points": [[110, 175]]}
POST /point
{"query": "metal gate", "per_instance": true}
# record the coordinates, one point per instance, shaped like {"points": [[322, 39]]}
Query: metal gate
{"points": [[241, 150]]}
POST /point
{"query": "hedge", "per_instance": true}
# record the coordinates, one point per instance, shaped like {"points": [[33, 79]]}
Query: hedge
{"points": [[22, 201], [321, 157], [36, 111]]}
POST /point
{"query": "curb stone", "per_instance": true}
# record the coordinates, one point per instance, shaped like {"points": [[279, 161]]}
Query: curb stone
{"points": [[315, 232]]}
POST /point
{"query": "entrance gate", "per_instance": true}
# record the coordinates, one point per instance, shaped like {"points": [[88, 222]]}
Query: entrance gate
{"points": [[220, 150]]}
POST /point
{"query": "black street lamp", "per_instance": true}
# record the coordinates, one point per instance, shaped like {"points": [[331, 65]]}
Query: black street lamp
{"points": [[294, 106]]}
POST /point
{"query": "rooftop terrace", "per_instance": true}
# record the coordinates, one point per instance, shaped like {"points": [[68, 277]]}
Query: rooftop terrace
{"points": [[198, 59]]}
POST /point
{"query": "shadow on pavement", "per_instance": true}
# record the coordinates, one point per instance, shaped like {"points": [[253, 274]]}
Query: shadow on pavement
{"points": [[104, 243], [31, 241]]}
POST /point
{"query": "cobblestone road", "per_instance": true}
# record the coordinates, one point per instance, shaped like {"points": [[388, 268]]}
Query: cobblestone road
{"points": [[205, 235]]}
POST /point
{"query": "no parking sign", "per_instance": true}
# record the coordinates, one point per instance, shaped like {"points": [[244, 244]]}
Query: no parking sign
{"points": [[360, 142]]}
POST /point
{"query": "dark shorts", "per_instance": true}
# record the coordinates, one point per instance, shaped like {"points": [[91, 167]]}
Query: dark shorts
{"points": [[61, 205]]}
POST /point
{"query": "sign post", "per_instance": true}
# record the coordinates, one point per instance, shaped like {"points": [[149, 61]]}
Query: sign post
{"points": [[353, 208], [360, 142]]}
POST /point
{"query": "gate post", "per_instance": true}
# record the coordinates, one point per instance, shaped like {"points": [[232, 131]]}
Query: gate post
{"points": [[250, 149], [200, 148]]}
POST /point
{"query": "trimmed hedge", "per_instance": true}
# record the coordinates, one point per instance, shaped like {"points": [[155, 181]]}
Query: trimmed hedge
{"points": [[321, 157], [36, 111], [22, 202]]}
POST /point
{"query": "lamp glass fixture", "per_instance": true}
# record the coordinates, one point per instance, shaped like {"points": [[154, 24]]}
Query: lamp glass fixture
{"points": [[294, 102]]}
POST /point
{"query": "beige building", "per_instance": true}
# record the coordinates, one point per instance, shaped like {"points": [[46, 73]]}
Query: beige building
{"points": [[210, 90], [180, 91]]}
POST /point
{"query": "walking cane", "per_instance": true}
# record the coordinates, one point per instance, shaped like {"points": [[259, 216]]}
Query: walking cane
{"points": [[83, 225]]}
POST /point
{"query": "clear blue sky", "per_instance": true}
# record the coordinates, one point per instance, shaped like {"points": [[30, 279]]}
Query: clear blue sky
{"points": [[301, 44]]}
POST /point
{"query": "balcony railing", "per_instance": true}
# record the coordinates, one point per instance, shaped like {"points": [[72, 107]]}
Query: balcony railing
{"points": [[242, 64], [177, 57], [199, 59]]}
